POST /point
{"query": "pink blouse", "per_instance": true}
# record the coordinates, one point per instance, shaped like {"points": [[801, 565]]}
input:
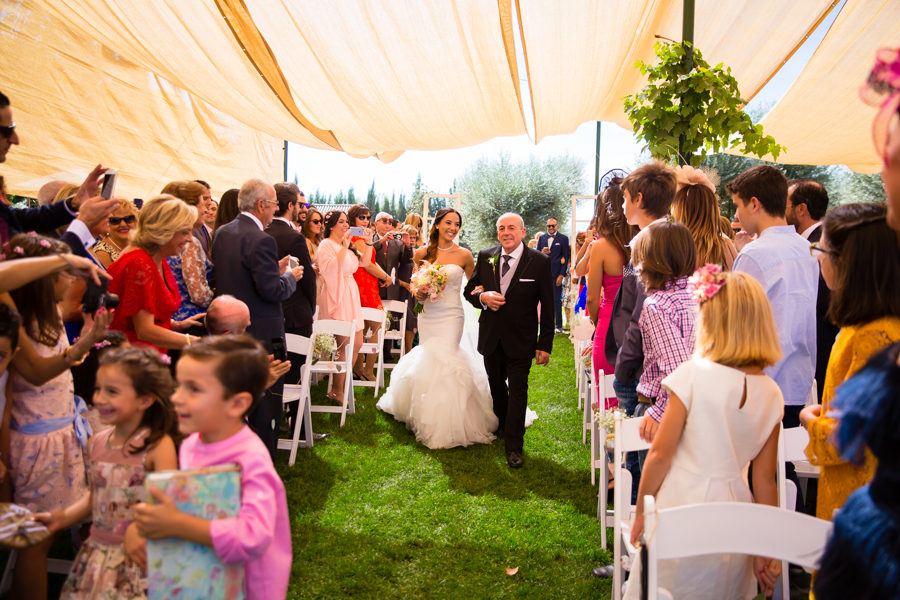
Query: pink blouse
{"points": [[340, 300], [260, 536]]}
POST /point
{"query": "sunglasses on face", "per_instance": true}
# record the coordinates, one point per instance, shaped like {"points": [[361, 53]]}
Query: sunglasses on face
{"points": [[7, 131], [116, 220], [316, 221]]}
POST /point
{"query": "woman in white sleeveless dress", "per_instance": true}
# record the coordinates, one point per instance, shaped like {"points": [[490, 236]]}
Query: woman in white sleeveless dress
{"points": [[439, 389]]}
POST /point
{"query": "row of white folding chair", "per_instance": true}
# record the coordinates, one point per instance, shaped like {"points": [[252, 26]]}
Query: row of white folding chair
{"points": [[729, 528], [331, 368], [373, 345], [397, 307], [601, 389]]}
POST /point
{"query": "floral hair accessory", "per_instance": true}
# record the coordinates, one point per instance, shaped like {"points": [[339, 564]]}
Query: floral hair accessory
{"points": [[687, 175], [45, 243], [882, 89], [165, 359], [18, 250], [706, 282]]}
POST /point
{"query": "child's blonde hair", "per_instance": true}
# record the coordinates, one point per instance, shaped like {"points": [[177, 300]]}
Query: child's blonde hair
{"points": [[736, 327]]}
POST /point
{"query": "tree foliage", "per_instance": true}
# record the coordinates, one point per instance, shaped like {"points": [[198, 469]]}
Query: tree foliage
{"points": [[537, 189], [703, 105]]}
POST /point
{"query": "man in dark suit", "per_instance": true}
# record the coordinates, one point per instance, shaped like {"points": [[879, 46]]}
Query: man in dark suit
{"points": [[806, 207], [556, 246], [301, 306], [514, 279], [83, 212], [248, 268]]}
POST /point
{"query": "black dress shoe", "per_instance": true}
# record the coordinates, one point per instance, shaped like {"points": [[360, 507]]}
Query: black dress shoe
{"points": [[514, 460], [603, 572]]}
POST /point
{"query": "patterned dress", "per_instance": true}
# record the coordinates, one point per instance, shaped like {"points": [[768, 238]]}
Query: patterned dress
{"points": [[367, 284], [117, 483], [194, 274], [106, 246], [47, 469]]}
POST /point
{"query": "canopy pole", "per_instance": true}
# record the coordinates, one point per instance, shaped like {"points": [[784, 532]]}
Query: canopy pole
{"points": [[597, 162], [285, 160], [687, 37]]}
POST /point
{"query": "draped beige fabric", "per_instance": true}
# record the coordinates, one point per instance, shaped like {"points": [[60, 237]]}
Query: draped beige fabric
{"points": [[77, 103], [581, 53], [821, 119], [169, 89]]}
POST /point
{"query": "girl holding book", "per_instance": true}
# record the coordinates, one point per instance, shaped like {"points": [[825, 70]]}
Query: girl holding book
{"points": [[220, 380], [132, 394]]}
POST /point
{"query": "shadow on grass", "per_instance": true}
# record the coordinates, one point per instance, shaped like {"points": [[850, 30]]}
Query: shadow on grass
{"points": [[374, 567]]}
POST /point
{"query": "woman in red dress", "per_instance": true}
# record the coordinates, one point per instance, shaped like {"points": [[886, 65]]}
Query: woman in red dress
{"points": [[147, 290], [368, 279]]}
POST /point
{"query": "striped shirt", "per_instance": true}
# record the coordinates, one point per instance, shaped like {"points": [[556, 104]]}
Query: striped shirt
{"points": [[667, 329]]}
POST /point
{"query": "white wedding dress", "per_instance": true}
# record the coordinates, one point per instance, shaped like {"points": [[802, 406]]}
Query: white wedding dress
{"points": [[439, 389]]}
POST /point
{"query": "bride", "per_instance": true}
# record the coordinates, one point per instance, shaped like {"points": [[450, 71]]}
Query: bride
{"points": [[439, 389]]}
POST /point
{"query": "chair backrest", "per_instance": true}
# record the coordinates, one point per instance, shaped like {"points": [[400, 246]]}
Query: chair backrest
{"points": [[372, 314], [627, 438], [396, 306], [731, 528], [342, 328], [628, 434], [796, 439], [298, 344]]}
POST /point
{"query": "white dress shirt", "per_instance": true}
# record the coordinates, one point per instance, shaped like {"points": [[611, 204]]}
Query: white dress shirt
{"points": [[808, 231], [513, 262]]}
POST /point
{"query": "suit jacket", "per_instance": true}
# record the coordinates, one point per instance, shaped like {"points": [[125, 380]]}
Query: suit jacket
{"points": [[301, 306], [390, 254], [246, 259], [203, 236], [516, 323], [826, 331], [624, 344], [44, 220], [559, 253]]}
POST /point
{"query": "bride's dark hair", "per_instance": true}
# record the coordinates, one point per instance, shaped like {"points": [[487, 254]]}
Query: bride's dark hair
{"points": [[432, 249]]}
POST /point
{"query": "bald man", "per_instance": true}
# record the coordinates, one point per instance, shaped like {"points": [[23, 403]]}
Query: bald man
{"points": [[226, 314], [49, 191]]}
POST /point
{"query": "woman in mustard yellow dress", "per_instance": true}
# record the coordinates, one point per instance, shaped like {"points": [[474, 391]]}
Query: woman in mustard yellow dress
{"points": [[860, 260]]}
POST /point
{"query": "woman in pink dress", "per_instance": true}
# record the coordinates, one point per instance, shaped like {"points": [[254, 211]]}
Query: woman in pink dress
{"points": [[338, 261], [608, 257]]}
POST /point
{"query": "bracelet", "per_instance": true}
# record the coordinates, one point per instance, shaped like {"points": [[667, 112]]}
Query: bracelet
{"points": [[368, 244], [187, 339], [65, 356]]}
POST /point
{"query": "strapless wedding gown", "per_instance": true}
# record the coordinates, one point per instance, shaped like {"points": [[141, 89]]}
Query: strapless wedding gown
{"points": [[439, 389]]}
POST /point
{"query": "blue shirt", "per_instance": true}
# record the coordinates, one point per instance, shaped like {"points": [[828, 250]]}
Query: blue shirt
{"points": [[780, 261]]}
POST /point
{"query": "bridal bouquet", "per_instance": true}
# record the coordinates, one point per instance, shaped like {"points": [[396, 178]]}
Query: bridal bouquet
{"points": [[431, 279]]}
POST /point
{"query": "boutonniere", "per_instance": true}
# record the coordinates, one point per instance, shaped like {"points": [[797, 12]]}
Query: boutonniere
{"points": [[493, 260]]}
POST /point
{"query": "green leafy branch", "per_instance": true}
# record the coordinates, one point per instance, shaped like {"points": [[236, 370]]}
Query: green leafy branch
{"points": [[703, 105]]}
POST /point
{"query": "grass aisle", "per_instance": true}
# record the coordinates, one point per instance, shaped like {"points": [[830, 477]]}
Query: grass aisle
{"points": [[376, 515]]}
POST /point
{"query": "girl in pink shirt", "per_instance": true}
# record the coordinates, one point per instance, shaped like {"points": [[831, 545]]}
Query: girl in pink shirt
{"points": [[220, 380]]}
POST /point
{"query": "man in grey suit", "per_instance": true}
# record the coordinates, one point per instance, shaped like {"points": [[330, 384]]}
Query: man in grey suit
{"points": [[248, 268]]}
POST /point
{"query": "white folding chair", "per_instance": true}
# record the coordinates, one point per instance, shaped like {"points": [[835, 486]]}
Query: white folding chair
{"points": [[54, 565], [343, 329], [627, 439], [299, 392], [729, 528], [601, 389], [581, 373], [373, 345], [397, 307]]}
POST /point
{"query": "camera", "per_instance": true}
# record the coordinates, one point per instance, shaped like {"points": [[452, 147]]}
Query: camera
{"points": [[96, 297]]}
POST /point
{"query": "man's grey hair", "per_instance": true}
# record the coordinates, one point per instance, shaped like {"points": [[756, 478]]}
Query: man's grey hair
{"points": [[512, 214], [383, 214], [252, 192], [218, 323], [48, 191]]}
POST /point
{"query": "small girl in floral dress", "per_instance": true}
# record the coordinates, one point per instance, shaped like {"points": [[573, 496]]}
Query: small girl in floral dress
{"points": [[132, 395]]}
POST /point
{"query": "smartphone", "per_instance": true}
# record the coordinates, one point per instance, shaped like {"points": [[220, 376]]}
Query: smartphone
{"points": [[293, 263], [139, 203], [357, 231], [109, 183], [278, 350]]}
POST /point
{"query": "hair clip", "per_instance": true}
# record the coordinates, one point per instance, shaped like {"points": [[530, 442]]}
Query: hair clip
{"points": [[706, 282]]}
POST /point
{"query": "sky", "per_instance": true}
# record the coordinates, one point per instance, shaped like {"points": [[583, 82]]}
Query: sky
{"points": [[332, 171]]}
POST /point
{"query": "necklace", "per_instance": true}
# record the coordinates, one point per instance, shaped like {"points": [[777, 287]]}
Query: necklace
{"points": [[115, 245], [445, 249]]}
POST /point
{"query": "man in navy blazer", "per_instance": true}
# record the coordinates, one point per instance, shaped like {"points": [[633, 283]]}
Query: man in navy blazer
{"points": [[248, 268], [556, 245]]}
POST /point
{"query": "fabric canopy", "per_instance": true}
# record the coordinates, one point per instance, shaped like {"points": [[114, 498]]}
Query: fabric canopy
{"points": [[581, 53], [208, 89], [821, 119], [78, 103]]}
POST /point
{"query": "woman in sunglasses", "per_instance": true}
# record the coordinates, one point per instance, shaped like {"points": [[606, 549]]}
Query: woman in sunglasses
{"points": [[121, 223]]}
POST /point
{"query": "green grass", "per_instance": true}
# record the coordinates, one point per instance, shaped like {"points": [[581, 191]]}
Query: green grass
{"points": [[376, 515]]}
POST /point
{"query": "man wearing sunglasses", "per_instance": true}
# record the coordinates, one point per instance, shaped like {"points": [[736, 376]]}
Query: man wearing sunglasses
{"points": [[299, 217], [556, 245], [83, 212]]}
